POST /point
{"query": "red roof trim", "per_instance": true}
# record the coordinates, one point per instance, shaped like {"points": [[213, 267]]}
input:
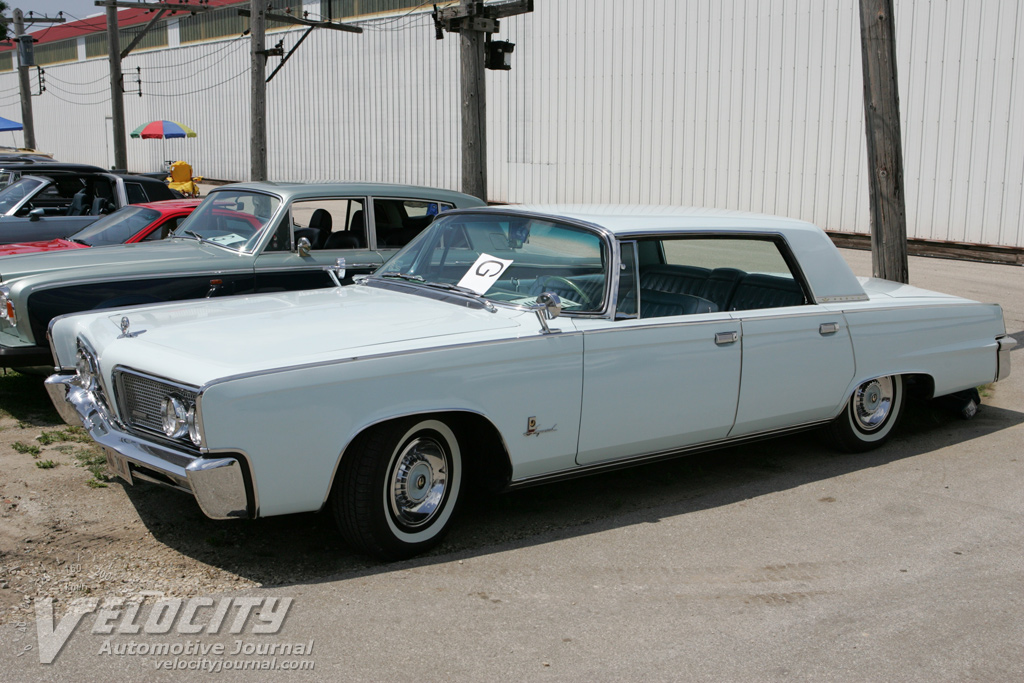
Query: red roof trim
{"points": [[98, 23]]}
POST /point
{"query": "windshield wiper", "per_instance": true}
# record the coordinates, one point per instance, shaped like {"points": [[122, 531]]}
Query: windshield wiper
{"points": [[404, 276], [454, 288]]}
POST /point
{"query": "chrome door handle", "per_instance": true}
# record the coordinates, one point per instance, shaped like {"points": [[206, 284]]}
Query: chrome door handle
{"points": [[723, 338], [828, 328]]}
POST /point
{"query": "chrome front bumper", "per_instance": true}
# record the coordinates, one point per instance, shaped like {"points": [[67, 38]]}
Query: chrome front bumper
{"points": [[1005, 345], [218, 484]]}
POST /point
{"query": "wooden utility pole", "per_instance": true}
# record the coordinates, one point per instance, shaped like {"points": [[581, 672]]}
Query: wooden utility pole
{"points": [[474, 110], [258, 96], [28, 125], [475, 21], [885, 147], [116, 89]]}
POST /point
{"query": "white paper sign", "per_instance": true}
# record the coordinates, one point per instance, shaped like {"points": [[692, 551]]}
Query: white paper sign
{"points": [[484, 273]]}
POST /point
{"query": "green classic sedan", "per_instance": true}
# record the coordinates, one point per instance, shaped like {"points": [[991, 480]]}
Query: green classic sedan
{"points": [[244, 238]]}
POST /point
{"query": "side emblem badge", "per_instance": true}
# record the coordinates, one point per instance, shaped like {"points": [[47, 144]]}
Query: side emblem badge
{"points": [[531, 428]]}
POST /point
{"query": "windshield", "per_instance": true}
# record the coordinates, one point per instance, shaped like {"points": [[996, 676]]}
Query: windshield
{"points": [[15, 193], [230, 218], [507, 258], [117, 228]]}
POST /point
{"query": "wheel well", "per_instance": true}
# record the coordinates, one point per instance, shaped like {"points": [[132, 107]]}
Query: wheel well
{"points": [[919, 385], [484, 455]]}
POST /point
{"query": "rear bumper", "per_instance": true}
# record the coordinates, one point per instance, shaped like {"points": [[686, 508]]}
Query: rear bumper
{"points": [[1005, 345], [218, 484]]}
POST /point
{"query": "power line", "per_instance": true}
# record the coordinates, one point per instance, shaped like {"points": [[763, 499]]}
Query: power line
{"points": [[210, 87]]}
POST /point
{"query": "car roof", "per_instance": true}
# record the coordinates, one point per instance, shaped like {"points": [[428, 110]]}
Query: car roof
{"points": [[290, 191], [632, 219], [44, 167]]}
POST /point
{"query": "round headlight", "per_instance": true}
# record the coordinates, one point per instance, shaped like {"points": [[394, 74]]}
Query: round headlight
{"points": [[86, 366], [193, 428], [175, 417]]}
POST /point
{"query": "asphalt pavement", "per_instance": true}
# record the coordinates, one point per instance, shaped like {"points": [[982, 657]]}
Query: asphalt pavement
{"points": [[776, 561]]}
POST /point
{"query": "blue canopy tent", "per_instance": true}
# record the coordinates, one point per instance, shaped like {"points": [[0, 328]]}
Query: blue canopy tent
{"points": [[7, 124]]}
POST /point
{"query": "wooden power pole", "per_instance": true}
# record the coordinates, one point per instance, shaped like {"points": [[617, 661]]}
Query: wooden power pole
{"points": [[27, 122], [885, 147], [474, 109], [258, 94], [474, 21], [116, 89]]}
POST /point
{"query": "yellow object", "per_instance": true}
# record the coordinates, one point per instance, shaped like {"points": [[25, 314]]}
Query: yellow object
{"points": [[181, 179]]}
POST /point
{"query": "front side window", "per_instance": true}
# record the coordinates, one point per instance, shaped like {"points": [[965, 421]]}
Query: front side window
{"points": [[331, 223], [686, 276], [507, 258], [233, 219]]}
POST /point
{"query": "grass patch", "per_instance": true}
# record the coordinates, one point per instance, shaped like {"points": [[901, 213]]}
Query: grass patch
{"points": [[31, 449], [75, 434], [95, 461], [45, 464], [24, 398]]}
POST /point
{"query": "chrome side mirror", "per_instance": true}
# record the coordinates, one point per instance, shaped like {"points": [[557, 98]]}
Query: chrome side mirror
{"points": [[337, 271], [304, 246], [547, 307]]}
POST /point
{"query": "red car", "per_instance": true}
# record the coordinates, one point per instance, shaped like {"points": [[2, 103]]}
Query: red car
{"points": [[135, 223]]}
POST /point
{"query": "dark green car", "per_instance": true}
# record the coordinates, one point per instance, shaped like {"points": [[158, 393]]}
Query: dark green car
{"points": [[243, 239]]}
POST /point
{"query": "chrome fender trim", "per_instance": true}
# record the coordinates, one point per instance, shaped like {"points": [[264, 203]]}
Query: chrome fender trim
{"points": [[1005, 344]]}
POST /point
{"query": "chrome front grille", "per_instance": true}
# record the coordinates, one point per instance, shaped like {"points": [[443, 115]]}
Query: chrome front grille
{"points": [[141, 397]]}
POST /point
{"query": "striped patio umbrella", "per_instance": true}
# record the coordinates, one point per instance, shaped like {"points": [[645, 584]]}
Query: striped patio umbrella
{"points": [[163, 129]]}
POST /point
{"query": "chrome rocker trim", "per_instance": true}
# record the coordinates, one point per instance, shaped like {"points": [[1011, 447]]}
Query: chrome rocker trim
{"points": [[218, 484]]}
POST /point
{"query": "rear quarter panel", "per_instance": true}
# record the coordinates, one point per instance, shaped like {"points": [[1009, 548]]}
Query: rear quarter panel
{"points": [[951, 340]]}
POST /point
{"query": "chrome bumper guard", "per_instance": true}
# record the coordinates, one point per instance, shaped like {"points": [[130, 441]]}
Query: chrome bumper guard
{"points": [[1005, 344], [217, 483]]}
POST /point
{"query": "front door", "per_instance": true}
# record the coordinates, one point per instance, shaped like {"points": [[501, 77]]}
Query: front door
{"points": [[656, 384]]}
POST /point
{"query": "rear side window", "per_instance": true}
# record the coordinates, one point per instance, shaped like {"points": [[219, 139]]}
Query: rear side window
{"points": [[136, 193], [708, 275], [399, 220]]}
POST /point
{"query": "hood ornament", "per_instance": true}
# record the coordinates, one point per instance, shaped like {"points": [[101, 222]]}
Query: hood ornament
{"points": [[125, 324]]}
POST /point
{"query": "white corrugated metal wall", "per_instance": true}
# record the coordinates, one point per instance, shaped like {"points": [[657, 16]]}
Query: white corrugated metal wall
{"points": [[745, 104]]}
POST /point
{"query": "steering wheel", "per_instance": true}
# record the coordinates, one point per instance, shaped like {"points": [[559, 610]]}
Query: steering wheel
{"points": [[584, 297]]}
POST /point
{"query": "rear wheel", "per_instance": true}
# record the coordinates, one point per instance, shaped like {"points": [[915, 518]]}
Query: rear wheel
{"points": [[398, 486], [870, 415]]}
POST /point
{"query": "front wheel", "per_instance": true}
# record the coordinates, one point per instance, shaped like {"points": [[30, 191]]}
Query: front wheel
{"points": [[870, 415], [397, 487]]}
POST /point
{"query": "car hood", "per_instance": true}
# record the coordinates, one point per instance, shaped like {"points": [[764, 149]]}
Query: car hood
{"points": [[205, 340], [35, 247], [121, 259]]}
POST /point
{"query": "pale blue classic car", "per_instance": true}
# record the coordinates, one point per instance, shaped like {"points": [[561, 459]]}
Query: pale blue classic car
{"points": [[509, 346]]}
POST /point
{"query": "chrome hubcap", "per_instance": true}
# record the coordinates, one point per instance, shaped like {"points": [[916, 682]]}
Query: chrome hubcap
{"points": [[872, 403], [418, 482]]}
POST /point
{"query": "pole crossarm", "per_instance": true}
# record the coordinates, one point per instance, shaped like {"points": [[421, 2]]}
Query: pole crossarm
{"points": [[479, 16], [141, 34], [288, 19], [167, 6]]}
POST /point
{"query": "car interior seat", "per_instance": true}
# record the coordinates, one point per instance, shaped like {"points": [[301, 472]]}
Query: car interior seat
{"points": [[322, 221]]}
